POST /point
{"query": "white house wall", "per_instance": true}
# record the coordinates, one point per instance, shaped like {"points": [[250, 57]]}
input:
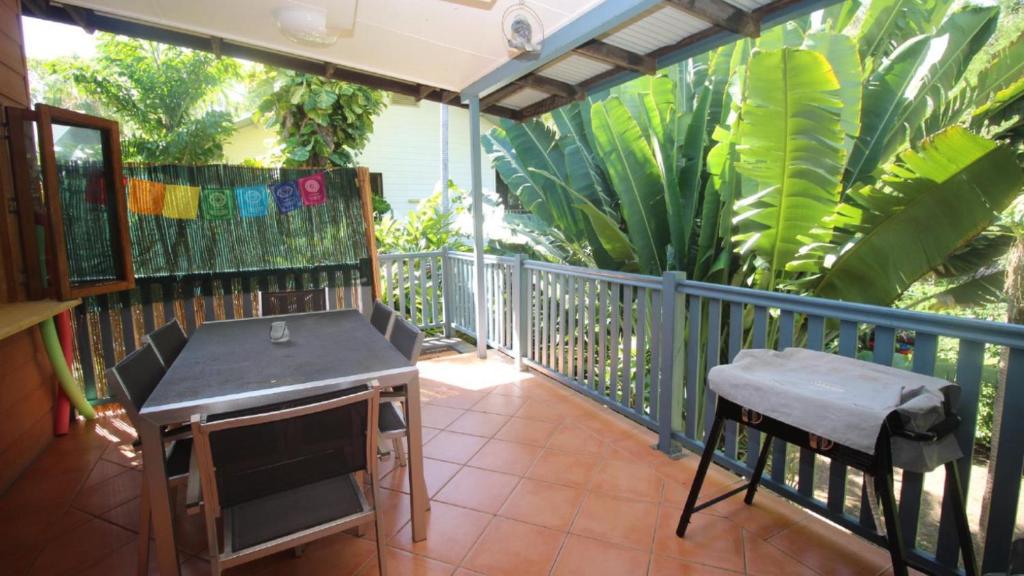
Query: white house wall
{"points": [[406, 148]]}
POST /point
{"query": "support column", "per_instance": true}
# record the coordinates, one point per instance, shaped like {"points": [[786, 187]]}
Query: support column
{"points": [[445, 201], [479, 294]]}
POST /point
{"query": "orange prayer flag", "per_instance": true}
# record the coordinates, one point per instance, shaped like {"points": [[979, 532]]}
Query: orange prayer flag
{"points": [[145, 197]]}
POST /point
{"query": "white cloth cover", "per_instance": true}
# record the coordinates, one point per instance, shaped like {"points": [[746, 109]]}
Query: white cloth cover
{"points": [[840, 398]]}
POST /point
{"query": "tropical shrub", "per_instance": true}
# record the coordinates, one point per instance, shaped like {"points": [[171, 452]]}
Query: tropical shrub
{"points": [[320, 122], [426, 229], [845, 155]]}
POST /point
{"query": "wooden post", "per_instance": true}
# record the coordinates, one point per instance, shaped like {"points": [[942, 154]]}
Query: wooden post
{"points": [[366, 196]]}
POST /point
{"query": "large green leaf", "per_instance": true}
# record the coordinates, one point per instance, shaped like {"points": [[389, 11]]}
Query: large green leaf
{"points": [[1005, 69], [790, 142], [634, 175], [889, 23], [986, 287], [884, 98], [950, 52], [584, 174], [929, 204], [841, 52]]}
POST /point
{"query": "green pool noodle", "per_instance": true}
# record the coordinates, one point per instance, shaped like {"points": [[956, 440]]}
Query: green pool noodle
{"points": [[60, 367]]}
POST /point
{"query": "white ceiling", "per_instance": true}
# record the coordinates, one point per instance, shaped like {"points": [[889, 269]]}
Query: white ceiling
{"points": [[440, 43]]}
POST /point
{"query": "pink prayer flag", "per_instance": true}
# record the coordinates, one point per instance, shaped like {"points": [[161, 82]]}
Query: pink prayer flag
{"points": [[313, 190]]}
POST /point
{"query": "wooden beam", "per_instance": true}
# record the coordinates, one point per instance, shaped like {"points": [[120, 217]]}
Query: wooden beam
{"points": [[549, 85], [499, 95], [721, 14], [425, 91], [545, 105], [618, 57], [81, 17]]}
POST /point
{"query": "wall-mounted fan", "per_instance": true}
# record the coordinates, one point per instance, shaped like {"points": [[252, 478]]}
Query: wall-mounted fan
{"points": [[523, 29]]}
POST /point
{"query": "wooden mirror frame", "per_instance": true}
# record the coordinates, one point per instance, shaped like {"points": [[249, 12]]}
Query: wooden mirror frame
{"points": [[111, 137]]}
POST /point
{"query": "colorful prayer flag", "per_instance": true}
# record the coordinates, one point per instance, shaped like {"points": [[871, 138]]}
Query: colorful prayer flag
{"points": [[145, 197], [217, 203], [286, 195], [252, 201], [313, 190], [181, 202], [96, 189]]}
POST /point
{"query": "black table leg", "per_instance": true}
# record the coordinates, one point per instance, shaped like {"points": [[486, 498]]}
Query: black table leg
{"points": [[884, 489], [755, 478], [710, 444], [960, 512]]}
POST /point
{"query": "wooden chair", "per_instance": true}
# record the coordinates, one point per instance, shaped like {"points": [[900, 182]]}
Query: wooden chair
{"points": [[292, 302], [408, 339], [381, 317], [168, 341], [282, 478], [131, 382]]}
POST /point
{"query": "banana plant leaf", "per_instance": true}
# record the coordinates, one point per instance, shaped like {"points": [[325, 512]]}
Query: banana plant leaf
{"points": [[986, 287], [791, 143], [841, 52], [929, 204], [889, 23], [634, 175]]}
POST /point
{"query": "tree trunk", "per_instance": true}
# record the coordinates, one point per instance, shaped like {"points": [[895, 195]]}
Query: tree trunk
{"points": [[1014, 315]]}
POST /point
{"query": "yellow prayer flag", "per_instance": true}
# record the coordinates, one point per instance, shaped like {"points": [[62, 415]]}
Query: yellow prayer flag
{"points": [[145, 197], [181, 202]]}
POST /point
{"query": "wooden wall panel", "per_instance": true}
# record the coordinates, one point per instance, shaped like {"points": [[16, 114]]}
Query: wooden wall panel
{"points": [[26, 401], [13, 92]]}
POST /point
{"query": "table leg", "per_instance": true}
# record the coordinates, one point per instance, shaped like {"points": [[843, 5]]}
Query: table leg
{"points": [[155, 476], [417, 485]]}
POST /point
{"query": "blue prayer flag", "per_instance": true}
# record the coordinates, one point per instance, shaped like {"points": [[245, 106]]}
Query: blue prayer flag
{"points": [[286, 195], [252, 201]]}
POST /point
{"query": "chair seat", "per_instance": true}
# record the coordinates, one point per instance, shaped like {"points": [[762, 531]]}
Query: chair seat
{"points": [[392, 423], [285, 513]]}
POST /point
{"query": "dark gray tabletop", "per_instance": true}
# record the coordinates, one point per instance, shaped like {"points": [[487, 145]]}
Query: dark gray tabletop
{"points": [[233, 365]]}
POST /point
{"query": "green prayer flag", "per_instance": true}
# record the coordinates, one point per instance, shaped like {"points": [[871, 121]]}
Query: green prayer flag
{"points": [[218, 203]]}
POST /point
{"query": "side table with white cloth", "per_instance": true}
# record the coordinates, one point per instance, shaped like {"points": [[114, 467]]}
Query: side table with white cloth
{"points": [[867, 416]]}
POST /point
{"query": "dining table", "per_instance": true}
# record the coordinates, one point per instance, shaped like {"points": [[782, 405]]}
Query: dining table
{"points": [[233, 365]]}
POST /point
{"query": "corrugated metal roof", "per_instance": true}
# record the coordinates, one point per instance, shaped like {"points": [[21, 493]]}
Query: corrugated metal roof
{"points": [[574, 69], [524, 98], [662, 27]]}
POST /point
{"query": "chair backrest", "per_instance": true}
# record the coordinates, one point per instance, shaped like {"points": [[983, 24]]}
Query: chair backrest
{"points": [[167, 341], [293, 302], [251, 455], [381, 317], [134, 378], [407, 338]]}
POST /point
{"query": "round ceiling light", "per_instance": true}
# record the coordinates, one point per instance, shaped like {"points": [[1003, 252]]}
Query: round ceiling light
{"points": [[306, 25]]}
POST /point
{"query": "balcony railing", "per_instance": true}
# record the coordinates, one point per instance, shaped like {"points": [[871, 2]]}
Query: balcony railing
{"points": [[617, 337], [642, 345]]}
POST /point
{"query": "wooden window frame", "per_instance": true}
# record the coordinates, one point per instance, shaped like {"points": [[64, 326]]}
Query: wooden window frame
{"points": [[111, 137]]}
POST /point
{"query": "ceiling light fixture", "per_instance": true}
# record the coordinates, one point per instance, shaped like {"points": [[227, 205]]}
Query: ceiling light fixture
{"points": [[306, 25]]}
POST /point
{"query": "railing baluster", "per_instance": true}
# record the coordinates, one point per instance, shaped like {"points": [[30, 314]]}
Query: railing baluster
{"points": [[780, 448], [580, 310], [572, 311], [714, 349], [925, 350], [423, 300], [837, 472], [1008, 466], [969, 365], [627, 345], [642, 324], [693, 343], [613, 341], [759, 339], [602, 338], [657, 321]]}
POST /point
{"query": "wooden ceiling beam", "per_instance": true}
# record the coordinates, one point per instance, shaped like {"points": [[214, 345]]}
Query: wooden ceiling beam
{"points": [[550, 86], [618, 57], [721, 14], [498, 95]]}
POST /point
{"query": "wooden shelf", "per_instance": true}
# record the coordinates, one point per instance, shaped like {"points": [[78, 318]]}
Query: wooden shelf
{"points": [[18, 316]]}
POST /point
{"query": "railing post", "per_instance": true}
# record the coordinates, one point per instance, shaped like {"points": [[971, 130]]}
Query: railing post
{"points": [[669, 393], [520, 304], [446, 297]]}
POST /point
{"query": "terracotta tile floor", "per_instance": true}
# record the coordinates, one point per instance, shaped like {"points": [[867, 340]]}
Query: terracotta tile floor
{"points": [[526, 476]]}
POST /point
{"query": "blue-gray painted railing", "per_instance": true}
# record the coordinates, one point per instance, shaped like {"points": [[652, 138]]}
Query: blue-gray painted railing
{"points": [[642, 345]]}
